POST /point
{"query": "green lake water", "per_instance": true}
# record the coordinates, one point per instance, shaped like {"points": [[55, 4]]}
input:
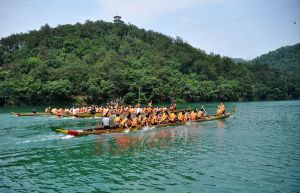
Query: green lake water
{"points": [[255, 150]]}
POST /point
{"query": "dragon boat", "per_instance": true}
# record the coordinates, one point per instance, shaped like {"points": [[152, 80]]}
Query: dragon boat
{"points": [[100, 130], [31, 114]]}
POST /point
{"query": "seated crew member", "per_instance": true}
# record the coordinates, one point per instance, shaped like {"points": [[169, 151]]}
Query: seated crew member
{"points": [[194, 115], [134, 122], [173, 117], [125, 123], [93, 110], [155, 119], [146, 120], [187, 116], [164, 117], [139, 117], [180, 116], [105, 122], [34, 111], [200, 114], [117, 120]]}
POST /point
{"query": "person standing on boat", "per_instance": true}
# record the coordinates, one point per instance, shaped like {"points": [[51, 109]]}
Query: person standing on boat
{"points": [[150, 104], [105, 122], [221, 109]]}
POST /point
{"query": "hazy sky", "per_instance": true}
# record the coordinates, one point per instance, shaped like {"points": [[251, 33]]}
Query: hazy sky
{"points": [[235, 28]]}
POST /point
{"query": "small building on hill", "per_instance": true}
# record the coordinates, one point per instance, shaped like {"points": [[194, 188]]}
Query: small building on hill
{"points": [[117, 19]]}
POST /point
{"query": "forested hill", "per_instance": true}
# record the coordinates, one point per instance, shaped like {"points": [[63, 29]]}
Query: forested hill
{"points": [[98, 61], [286, 58]]}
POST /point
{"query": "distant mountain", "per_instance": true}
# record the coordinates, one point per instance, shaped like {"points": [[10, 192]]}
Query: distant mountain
{"points": [[238, 60], [285, 58]]}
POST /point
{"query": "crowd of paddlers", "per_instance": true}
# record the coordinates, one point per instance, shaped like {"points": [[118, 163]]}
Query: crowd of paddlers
{"points": [[120, 116]]}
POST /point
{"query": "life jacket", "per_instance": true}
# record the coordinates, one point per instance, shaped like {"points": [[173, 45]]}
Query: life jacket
{"points": [[153, 120], [144, 121], [193, 115], [117, 119], [172, 116], [123, 122], [132, 110], [199, 114], [134, 122], [180, 116], [164, 117]]}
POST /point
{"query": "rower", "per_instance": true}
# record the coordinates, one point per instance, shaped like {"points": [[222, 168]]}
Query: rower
{"points": [[180, 116], [134, 122], [146, 120], [33, 111], [155, 119], [125, 123], [221, 109], [117, 121], [200, 114], [165, 117], [93, 110], [173, 117], [138, 109], [187, 116], [105, 122], [193, 115]]}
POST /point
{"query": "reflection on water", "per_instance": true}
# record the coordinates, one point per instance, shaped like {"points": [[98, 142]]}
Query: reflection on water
{"points": [[221, 124], [139, 141]]}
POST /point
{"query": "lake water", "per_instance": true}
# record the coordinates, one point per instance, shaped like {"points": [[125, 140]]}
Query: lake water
{"points": [[255, 150]]}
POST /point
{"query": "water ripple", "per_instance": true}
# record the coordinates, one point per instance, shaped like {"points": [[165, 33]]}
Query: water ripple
{"points": [[256, 150]]}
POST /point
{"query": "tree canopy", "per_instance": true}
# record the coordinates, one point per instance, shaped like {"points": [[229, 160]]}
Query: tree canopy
{"points": [[100, 61]]}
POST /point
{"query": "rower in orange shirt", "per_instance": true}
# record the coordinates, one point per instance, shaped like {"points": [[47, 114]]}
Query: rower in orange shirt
{"points": [[180, 116], [193, 115], [173, 117]]}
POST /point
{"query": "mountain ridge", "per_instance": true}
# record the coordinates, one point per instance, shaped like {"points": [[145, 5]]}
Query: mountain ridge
{"points": [[99, 61], [286, 58]]}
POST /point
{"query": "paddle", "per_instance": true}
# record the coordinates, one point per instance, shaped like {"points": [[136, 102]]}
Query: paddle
{"points": [[204, 109]]}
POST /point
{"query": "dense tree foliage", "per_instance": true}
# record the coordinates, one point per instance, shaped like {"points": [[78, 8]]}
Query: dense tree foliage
{"points": [[100, 61], [286, 58]]}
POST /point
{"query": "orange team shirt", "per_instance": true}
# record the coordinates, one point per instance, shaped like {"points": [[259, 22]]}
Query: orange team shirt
{"points": [[199, 114], [134, 122], [180, 116], [193, 115], [172, 116]]}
